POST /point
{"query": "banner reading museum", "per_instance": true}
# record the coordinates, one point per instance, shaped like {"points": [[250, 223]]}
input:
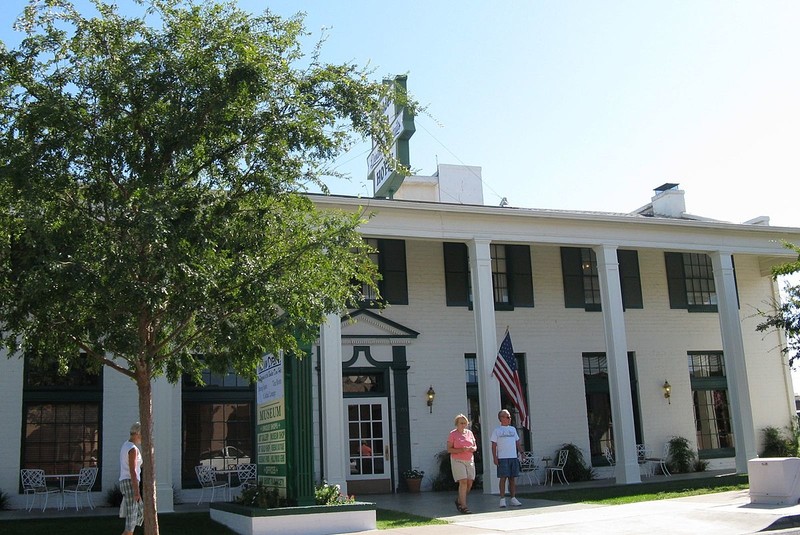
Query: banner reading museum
{"points": [[271, 425]]}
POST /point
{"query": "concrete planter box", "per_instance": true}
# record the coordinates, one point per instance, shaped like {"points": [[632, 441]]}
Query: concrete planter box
{"points": [[311, 520]]}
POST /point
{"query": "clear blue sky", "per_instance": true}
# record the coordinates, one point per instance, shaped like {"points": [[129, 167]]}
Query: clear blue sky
{"points": [[582, 104]]}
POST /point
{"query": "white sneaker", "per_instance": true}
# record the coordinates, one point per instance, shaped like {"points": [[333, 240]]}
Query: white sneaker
{"points": [[515, 502], [502, 502]]}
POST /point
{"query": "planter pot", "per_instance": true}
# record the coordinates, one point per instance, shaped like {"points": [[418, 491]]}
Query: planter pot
{"points": [[312, 520], [413, 484]]}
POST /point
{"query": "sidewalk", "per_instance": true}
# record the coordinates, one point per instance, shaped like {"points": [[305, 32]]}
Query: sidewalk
{"points": [[725, 513]]}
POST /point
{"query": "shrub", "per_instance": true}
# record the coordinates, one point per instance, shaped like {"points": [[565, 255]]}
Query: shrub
{"points": [[325, 494], [262, 497], [3, 501], [444, 478], [776, 444], [114, 496], [576, 468], [681, 456]]}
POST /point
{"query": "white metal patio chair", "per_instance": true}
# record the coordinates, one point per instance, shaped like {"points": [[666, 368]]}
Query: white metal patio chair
{"points": [[247, 477], [645, 461], [662, 461], [609, 456], [86, 477], [207, 477], [35, 484], [558, 469], [529, 465]]}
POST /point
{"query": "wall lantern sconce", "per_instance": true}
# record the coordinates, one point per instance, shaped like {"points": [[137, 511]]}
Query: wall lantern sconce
{"points": [[431, 396], [667, 391]]}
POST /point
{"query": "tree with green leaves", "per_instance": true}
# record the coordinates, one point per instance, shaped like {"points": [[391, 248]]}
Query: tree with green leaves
{"points": [[152, 181], [785, 315]]}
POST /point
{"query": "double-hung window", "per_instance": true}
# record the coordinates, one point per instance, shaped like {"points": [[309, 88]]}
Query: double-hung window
{"points": [[582, 281], [712, 415], [390, 257], [690, 280], [218, 422], [62, 418], [512, 280]]}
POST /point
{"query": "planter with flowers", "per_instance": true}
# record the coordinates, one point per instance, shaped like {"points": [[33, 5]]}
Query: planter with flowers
{"points": [[413, 479], [261, 510]]}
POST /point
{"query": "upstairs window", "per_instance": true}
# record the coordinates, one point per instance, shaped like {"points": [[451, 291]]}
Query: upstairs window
{"points": [[512, 279], [690, 279], [390, 257], [582, 281]]}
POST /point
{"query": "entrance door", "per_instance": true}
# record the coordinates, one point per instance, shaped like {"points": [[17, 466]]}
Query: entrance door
{"points": [[368, 449]]}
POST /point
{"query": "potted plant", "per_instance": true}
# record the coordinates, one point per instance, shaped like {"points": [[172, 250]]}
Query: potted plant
{"points": [[413, 479]]}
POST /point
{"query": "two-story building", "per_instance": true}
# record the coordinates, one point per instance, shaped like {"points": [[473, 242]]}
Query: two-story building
{"points": [[603, 309]]}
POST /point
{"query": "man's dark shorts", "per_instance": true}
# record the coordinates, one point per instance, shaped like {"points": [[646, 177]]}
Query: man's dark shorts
{"points": [[508, 467]]}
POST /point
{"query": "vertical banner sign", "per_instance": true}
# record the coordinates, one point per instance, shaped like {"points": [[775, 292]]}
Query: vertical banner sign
{"points": [[381, 170], [271, 425]]}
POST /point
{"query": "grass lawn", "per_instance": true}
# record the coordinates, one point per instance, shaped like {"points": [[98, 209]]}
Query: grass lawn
{"points": [[194, 523], [643, 492]]}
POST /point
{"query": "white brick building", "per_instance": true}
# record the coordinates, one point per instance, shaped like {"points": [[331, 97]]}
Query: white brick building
{"points": [[602, 309]]}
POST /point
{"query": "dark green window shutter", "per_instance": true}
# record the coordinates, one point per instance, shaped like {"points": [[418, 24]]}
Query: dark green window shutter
{"points": [[456, 274], [573, 277], [394, 285], [520, 276], [629, 278], [676, 280]]}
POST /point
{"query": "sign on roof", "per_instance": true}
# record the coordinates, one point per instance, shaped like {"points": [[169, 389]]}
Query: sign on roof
{"points": [[385, 177]]}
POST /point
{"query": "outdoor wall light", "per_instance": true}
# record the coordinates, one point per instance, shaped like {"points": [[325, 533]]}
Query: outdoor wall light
{"points": [[667, 391], [431, 396]]}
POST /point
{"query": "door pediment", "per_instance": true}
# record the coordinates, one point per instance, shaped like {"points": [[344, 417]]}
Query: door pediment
{"points": [[365, 327]]}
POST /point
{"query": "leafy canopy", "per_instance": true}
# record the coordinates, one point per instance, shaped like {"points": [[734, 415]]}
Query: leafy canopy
{"points": [[152, 171]]}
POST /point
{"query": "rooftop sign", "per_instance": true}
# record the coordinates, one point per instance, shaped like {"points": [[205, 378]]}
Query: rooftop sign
{"points": [[382, 170]]}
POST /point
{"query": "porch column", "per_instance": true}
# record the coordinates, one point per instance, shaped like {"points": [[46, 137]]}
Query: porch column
{"points": [[736, 367], [627, 465], [480, 261], [162, 437], [334, 444]]}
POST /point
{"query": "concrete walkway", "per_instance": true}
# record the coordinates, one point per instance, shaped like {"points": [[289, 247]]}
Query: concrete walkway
{"points": [[725, 513]]}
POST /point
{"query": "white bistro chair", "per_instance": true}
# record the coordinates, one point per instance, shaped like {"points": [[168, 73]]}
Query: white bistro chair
{"points": [[247, 477], [35, 484], [558, 469], [645, 461], [528, 467], [609, 456], [207, 477], [86, 477]]}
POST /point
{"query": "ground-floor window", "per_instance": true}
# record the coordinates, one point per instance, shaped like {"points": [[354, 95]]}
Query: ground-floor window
{"points": [[598, 404], [62, 414], [61, 438], [218, 423], [714, 433]]}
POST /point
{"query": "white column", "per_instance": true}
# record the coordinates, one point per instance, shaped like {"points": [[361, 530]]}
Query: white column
{"points": [[627, 466], [480, 262], [736, 367], [162, 437], [334, 443]]}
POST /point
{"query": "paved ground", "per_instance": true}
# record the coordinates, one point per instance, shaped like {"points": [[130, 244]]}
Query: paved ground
{"points": [[725, 513]]}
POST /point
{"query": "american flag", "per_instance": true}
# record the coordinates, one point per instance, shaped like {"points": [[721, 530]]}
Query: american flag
{"points": [[505, 369]]}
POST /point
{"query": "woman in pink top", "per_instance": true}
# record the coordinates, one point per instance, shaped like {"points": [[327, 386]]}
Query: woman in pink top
{"points": [[461, 446]]}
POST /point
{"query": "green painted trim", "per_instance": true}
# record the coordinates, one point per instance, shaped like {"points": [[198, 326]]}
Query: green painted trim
{"points": [[246, 510]]}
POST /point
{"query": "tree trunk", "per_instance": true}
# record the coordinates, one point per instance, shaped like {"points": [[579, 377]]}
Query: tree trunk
{"points": [[148, 449]]}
